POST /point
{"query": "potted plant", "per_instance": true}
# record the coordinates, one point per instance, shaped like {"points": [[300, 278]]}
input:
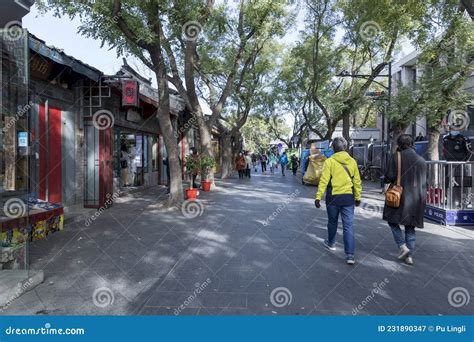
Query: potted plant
{"points": [[193, 167], [207, 164]]}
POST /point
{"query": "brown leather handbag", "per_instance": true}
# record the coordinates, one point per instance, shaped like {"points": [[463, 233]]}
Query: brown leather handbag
{"points": [[393, 195]]}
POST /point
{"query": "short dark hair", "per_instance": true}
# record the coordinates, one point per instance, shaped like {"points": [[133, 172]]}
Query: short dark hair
{"points": [[339, 144], [405, 141]]}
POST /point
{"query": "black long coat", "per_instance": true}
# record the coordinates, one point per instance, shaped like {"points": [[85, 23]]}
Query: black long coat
{"points": [[413, 181]]}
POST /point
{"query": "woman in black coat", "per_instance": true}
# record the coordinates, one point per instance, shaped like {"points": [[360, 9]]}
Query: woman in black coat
{"points": [[412, 205]]}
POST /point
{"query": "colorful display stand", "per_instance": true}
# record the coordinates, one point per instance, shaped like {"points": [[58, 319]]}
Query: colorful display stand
{"points": [[42, 218]]}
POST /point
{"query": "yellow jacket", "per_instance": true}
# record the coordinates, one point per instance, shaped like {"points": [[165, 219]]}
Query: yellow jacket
{"points": [[335, 173]]}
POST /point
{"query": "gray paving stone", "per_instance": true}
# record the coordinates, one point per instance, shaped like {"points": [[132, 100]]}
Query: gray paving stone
{"points": [[152, 259]]}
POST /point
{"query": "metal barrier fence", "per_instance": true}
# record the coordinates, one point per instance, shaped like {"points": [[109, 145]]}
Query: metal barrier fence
{"points": [[360, 154], [450, 185], [378, 152]]}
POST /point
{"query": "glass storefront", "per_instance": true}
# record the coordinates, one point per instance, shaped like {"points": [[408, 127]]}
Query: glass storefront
{"points": [[135, 155], [15, 154]]}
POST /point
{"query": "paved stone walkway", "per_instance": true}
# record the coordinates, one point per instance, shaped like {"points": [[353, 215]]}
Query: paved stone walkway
{"points": [[137, 258]]}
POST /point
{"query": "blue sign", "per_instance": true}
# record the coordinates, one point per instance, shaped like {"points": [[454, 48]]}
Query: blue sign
{"points": [[237, 329], [450, 217], [22, 139]]}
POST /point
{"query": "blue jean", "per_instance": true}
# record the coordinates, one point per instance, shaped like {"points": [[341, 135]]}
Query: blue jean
{"points": [[409, 238], [347, 215]]}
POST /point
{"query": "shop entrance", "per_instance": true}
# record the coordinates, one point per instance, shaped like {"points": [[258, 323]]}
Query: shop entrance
{"points": [[98, 182], [131, 150]]}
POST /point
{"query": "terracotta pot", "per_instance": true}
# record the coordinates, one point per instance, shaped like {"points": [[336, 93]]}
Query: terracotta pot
{"points": [[191, 193], [206, 185]]}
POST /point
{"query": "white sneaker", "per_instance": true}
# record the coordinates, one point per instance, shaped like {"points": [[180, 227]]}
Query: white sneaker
{"points": [[328, 246], [409, 260], [403, 252]]}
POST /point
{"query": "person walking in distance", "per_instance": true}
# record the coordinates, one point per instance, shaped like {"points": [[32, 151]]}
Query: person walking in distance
{"points": [[272, 162], [254, 161], [340, 179], [248, 164], [263, 163], [408, 170], [240, 165], [294, 164], [283, 163]]}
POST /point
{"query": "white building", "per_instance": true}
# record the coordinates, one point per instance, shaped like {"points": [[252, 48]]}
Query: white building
{"points": [[407, 72]]}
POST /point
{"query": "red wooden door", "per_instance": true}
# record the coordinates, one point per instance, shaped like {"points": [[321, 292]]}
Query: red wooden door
{"points": [[50, 165]]}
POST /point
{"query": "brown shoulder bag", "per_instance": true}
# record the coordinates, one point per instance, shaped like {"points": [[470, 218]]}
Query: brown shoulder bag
{"points": [[393, 195]]}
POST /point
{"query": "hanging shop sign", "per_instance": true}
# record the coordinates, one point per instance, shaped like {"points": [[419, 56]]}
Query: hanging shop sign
{"points": [[40, 67], [130, 93]]}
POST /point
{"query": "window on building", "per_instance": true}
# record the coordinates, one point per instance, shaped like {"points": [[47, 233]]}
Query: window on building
{"points": [[154, 153]]}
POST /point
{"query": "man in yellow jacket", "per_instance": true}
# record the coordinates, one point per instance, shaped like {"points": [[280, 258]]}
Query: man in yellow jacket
{"points": [[340, 180]]}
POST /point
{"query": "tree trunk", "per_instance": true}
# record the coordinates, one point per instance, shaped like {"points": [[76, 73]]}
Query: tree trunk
{"points": [[346, 124], [171, 144], [227, 157], [432, 152]]}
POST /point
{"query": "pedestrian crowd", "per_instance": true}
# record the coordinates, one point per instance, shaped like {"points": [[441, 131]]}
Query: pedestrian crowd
{"points": [[337, 176]]}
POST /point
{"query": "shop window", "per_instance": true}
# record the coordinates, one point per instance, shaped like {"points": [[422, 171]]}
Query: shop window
{"points": [[154, 153]]}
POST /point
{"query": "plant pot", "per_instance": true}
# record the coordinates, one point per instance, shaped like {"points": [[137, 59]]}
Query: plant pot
{"points": [[191, 193], [206, 185]]}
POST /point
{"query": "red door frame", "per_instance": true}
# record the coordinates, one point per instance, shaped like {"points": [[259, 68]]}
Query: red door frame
{"points": [[50, 154]]}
